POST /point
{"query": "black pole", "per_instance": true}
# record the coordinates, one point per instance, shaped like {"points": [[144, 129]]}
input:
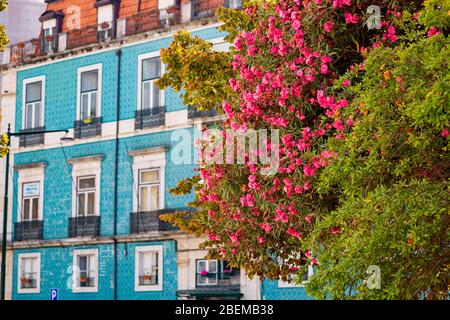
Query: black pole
{"points": [[5, 219], [116, 168]]}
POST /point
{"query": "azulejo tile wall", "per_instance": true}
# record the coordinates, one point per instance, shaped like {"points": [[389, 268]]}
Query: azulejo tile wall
{"points": [[57, 272]]}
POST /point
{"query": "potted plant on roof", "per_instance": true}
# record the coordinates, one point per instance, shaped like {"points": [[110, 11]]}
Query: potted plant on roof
{"points": [[104, 25]]}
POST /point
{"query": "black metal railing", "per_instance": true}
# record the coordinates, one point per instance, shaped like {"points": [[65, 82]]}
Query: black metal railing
{"points": [[31, 139], [28, 230], [84, 226], [193, 113], [88, 128], [149, 118], [147, 221]]}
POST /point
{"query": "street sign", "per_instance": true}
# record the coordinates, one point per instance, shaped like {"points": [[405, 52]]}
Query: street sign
{"points": [[54, 294]]}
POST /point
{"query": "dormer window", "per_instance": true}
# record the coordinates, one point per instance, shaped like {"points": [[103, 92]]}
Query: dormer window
{"points": [[107, 11], [51, 26], [49, 33], [105, 19]]}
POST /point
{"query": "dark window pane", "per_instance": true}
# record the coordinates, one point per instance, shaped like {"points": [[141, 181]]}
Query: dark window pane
{"points": [[151, 68], [34, 92], [89, 81]]}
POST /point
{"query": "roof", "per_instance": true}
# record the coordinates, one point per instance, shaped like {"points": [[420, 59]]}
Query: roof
{"points": [[88, 11]]}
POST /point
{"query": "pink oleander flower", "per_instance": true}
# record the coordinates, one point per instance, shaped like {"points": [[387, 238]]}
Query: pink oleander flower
{"points": [[346, 83], [266, 227], [329, 26], [445, 133], [294, 233], [432, 31], [351, 18]]}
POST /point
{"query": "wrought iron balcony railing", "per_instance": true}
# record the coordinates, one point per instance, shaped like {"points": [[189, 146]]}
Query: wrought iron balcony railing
{"points": [[148, 221], [84, 226], [194, 113], [88, 128], [149, 118], [28, 230], [32, 139]]}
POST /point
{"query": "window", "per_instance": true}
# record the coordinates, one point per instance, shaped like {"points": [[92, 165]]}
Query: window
{"points": [[30, 201], [148, 268], [86, 173], [33, 105], [291, 281], [151, 71], [29, 273], [86, 271], [148, 178], [89, 91], [149, 190], [49, 39], [105, 20], [207, 272], [86, 194]]}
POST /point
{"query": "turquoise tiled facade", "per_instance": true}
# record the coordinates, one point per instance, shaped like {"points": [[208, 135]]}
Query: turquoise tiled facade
{"points": [[60, 113], [271, 291], [56, 273]]}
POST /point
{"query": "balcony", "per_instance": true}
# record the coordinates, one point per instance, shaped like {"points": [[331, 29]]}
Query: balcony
{"points": [[28, 230], [194, 113], [88, 128], [147, 20], [143, 222], [89, 35], [84, 226], [32, 139], [149, 118]]}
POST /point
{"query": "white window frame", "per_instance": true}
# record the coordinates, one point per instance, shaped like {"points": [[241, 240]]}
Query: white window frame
{"points": [[85, 167], [81, 70], [76, 254], [149, 185], [137, 251], [291, 284], [86, 192], [30, 175], [25, 82], [141, 58], [147, 161], [35, 255], [22, 212], [218, 265]]}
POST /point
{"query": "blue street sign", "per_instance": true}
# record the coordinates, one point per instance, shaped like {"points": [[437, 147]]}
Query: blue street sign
{"points": [[54, 294]]}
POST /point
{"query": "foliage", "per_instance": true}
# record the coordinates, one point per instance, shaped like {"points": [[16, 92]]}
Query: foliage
{"points": [[391, 178], [284, 60], [3, 43]]}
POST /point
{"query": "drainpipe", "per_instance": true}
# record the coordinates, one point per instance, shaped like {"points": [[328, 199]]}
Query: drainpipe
{"points": [[116, 168]]}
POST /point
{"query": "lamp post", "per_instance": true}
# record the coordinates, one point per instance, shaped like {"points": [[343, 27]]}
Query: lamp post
{"points": [[9, 134]]}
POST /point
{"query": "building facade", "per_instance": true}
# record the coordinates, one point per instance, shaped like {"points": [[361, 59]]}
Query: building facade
{"points": [[86, 203]]}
